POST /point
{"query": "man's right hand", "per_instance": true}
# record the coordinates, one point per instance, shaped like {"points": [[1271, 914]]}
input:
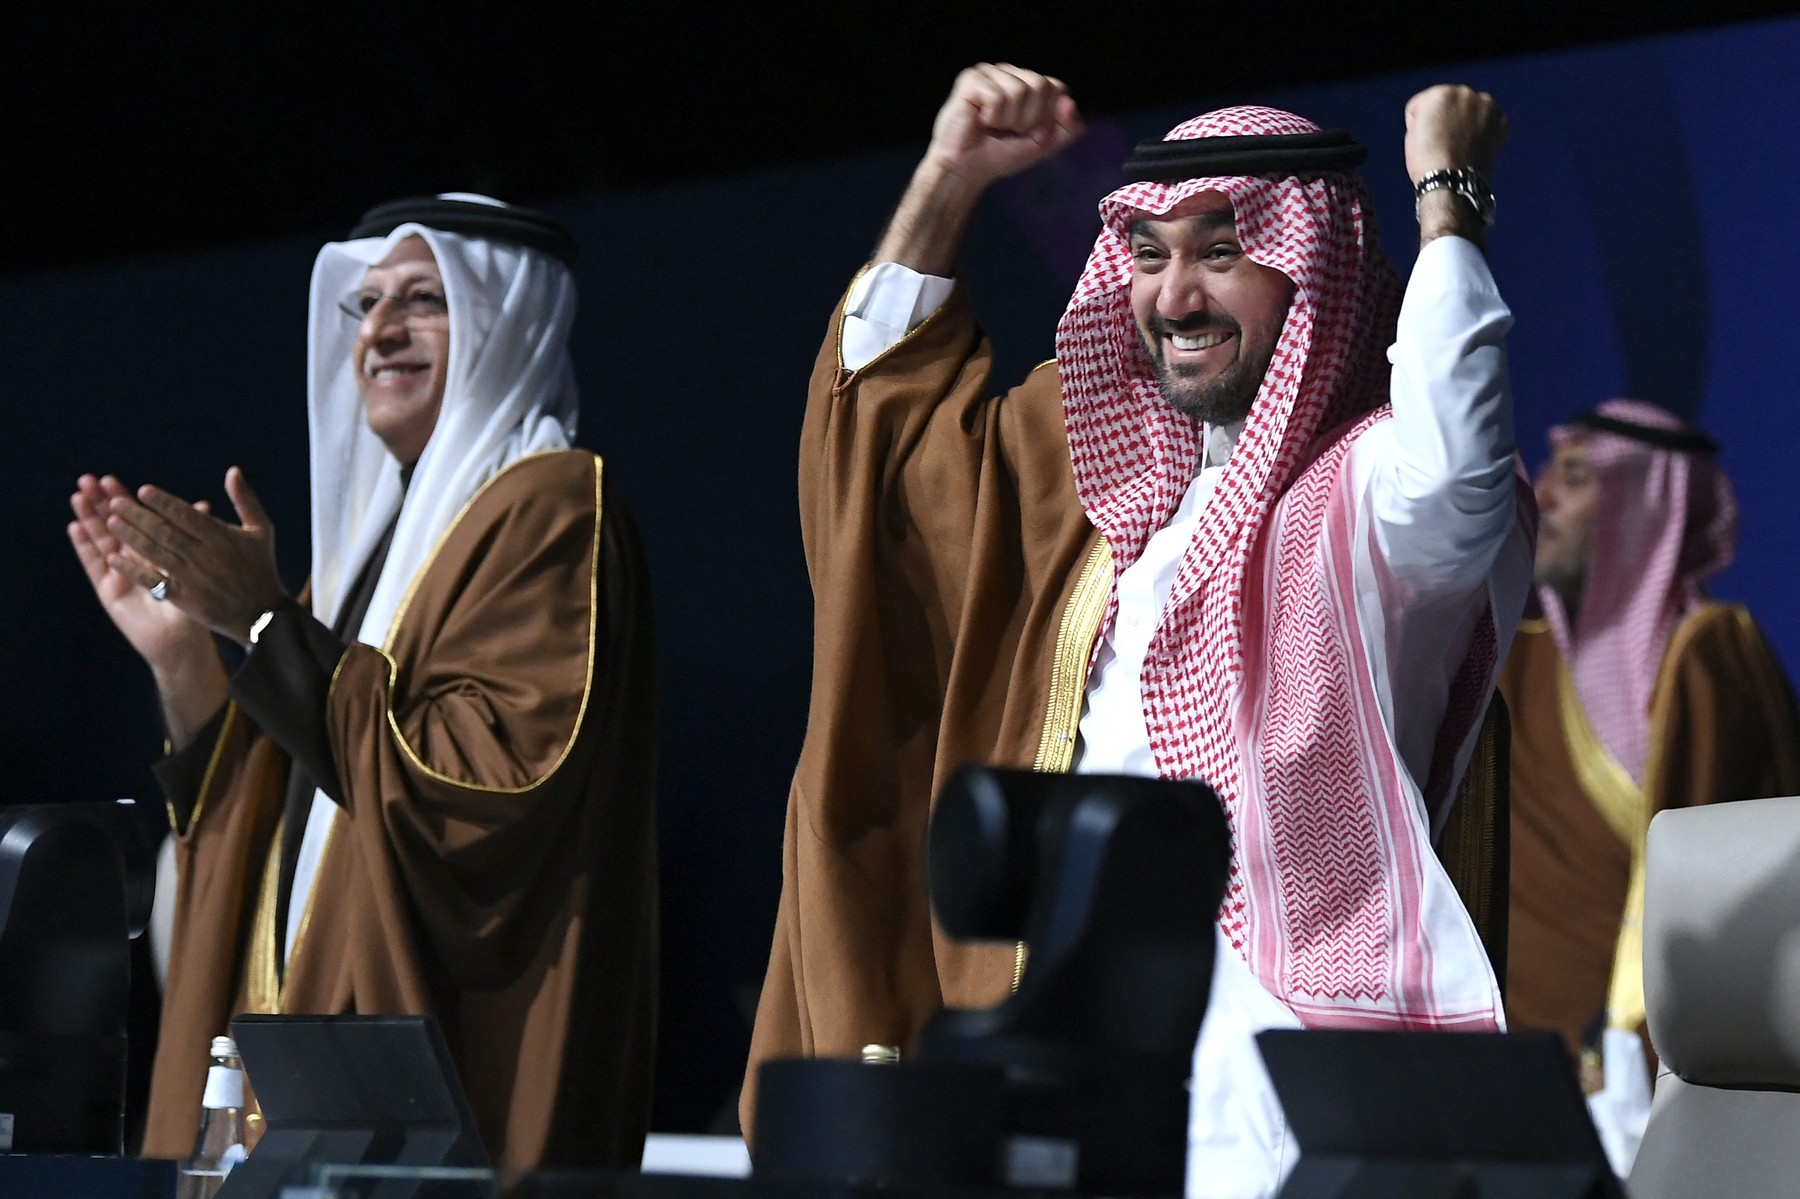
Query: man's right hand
{"points": [[180, 652], [1000, 120]]}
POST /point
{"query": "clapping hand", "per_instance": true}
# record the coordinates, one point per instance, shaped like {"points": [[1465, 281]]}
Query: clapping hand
{"points": [[161, 633], [218, 574]]}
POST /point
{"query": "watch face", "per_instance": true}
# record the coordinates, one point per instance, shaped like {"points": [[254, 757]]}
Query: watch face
{"points": [[1471, 186]]}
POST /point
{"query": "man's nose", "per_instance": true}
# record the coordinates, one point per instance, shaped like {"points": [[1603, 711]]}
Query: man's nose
{"points": [[1546, 495], [1183, 292], [384, 323]]}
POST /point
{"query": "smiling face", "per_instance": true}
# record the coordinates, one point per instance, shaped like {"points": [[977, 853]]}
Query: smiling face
{"points": [[402, 351], [1568, 491], [1208, 315]]}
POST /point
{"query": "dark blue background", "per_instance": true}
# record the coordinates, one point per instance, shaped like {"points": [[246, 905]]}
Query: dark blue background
{"points": [[1645, 243]]}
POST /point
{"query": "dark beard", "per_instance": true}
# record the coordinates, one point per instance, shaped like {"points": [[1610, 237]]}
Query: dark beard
{"points": [[1559, 573], [1224, 399]]}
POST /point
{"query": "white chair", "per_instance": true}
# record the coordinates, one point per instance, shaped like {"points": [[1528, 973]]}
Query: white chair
{"points": [[1722, 987]]}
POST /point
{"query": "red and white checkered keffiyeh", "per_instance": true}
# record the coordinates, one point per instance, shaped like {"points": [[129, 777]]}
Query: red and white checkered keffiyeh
{"points": [[1664, 522], [1258, 679]]}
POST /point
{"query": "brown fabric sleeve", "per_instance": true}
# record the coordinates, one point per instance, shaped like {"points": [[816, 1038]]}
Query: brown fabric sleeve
{"points": [[450, 744], [918, 488], [1724, 726], [282, 686], [925, 501], [902, 460], [182, 773], [220, 856], [1570, 870]]}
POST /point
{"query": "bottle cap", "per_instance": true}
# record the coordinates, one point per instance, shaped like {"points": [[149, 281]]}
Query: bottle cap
{"points": [[224, 1047]]}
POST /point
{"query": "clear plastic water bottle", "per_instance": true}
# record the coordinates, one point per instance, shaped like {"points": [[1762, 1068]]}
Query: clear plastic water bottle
{"points": [[220, 1143]]}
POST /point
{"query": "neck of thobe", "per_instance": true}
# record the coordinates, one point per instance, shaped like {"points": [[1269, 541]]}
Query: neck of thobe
{"points": [[1115, 736]]}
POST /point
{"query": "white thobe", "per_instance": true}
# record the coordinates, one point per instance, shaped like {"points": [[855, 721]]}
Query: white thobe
{"points": [[1436, 481]]}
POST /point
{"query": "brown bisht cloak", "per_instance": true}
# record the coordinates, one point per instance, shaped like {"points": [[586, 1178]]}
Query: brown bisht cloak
{"points": [[958, 592], [493, 861], [1722, 727]]}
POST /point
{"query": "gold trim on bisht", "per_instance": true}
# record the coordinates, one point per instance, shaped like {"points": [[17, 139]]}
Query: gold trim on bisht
{"points": [[1614, 793], [1625, 1007], [1074, 647], [1075, 634], [587, 687], [844, 376], [1625, 807], [262, 976], [265, 980], [206, 780]]}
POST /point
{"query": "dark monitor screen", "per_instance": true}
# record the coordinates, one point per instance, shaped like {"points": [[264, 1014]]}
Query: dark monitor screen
{"points": [[359, 1090], [1503, 1110]]}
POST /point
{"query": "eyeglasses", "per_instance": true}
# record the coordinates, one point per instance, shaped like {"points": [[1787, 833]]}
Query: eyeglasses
{"points": [[420, 306]]}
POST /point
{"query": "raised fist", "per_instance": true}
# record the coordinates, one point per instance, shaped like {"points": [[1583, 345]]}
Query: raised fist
{"points": [[999, 120], [1450, 126]]}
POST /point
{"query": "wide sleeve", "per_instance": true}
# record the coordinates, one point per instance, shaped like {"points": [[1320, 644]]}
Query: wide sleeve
{"points": [[282, 687], [941, 528], [911, 467], [459, 744], [182, 773], [886, 302], [1724, 719]]}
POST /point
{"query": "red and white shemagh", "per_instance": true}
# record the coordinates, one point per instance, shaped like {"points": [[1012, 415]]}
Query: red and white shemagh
{"points": [[1258, 679], [1664, 522]]}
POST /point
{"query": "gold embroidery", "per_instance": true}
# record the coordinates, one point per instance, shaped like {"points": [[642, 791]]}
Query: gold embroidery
{"points": [[206, 780], [844, 378], [1609, 786], [587, 683], [262, 978], [1074, 646], [425, 567], [1625, 1007], [264, 981], [1075, 635]]}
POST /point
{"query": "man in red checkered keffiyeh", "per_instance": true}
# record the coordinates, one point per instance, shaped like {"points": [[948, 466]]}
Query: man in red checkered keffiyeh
{"points": [[1634, 692], [1200, 543]]}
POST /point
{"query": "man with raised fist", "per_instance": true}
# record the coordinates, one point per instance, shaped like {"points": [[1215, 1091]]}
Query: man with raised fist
{"points": [[1257, 523]]}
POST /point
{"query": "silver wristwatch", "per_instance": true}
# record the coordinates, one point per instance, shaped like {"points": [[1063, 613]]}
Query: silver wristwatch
{"points": [[1465, 182]]}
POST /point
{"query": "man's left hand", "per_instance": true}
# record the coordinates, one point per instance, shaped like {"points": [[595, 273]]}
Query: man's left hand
{"points": [[1447, 127], [220, 574]]}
